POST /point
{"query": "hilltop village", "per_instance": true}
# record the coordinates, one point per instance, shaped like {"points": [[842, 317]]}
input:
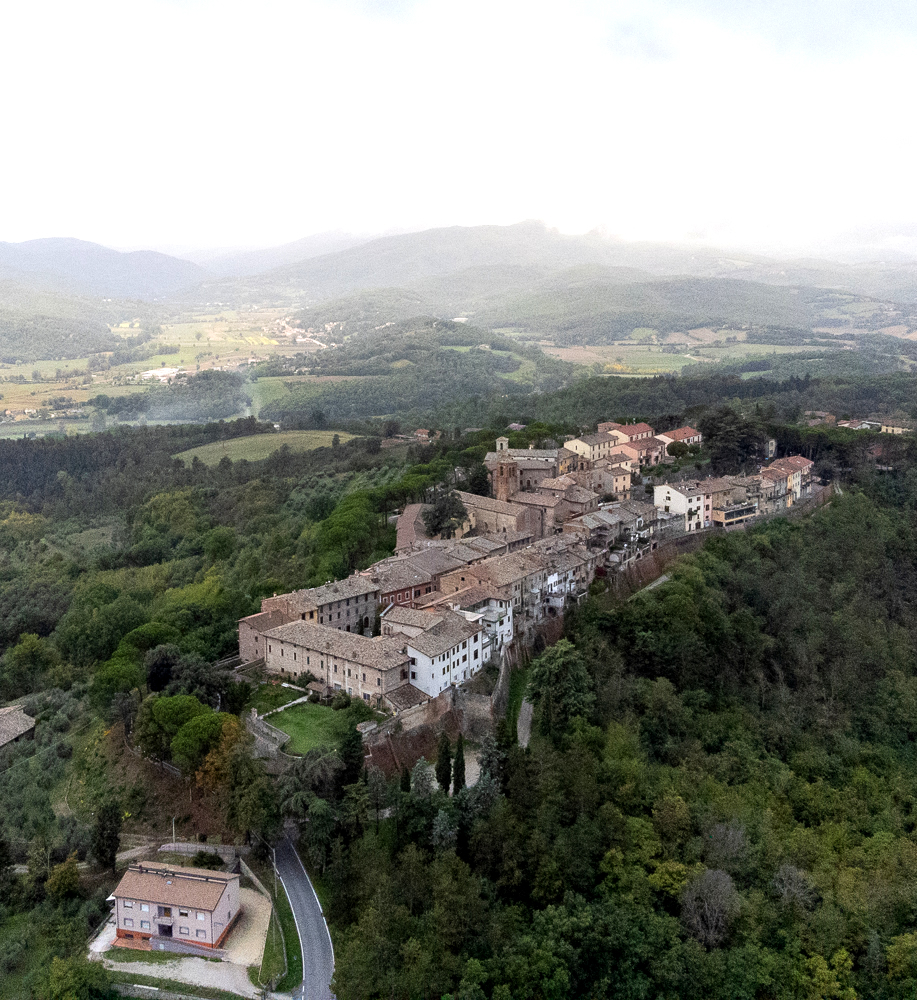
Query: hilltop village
{"points": [[428, 618]]}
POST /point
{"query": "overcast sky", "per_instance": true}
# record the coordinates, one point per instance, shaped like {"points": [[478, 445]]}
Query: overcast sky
{"points": [[224, 123]]}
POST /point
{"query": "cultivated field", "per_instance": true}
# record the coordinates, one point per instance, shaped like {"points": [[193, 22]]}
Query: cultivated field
{"points": [[259, 446]]}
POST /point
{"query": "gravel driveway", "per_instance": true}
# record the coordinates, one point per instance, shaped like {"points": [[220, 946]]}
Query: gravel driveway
{"points": [[194, 972], [245, 943]]}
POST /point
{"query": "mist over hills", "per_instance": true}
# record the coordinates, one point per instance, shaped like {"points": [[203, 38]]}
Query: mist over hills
{"points": [[575, 289], [242, 262], [77, 267]]}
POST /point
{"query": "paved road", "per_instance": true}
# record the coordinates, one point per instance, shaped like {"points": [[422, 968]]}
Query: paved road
{"points": [[318, 957]]}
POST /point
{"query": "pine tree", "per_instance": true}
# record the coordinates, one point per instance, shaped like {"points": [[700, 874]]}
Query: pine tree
{"points": [[458, 767], [444, 763]]}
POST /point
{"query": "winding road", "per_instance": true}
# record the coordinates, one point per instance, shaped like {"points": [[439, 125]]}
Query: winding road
{"points": [[317, 953]]}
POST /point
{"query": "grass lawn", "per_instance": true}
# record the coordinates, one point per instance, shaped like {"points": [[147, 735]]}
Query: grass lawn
{"points": [[311, 726], [271, 696], [273, 962], [135, 955], [258, 446]]}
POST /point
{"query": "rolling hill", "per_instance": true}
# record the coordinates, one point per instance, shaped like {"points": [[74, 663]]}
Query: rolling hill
{"points": [[77, 267]]}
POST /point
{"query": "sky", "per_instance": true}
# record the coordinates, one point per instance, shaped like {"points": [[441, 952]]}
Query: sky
{"points": [[207, 123]]}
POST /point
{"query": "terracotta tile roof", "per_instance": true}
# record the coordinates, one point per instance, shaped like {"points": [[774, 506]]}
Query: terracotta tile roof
{"points": [[406, 696], [682, 433], [516, 454], [449, 631], [792, 463], [410, 527], [264, 620], [397, 615], [328, 593], [14, 723], [538, 500], [168, 885], [486, 503], [398, 575], [631, 429], [560, 482], [435, 561], [579, 494], [379, 652]]}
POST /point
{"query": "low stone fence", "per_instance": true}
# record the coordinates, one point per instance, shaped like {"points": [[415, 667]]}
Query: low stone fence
{"points": [[227, 852], [136, 990], [178, 947], [268, 738]]}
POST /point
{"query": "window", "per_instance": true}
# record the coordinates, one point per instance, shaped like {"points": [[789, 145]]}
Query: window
{"points": [[144, 925], [465, 658], [379, 680], [413, 675], [364, 678], [201, 916], [365, 696], [202, 934], [128, 922], [144, 907], [475, 654], [465, 644], [128, 904], [321, 620], [183, 913], [183, 930], [270, 648]]}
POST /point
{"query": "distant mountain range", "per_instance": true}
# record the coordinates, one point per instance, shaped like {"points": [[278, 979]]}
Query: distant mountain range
{"points": [[234, 264], [76, 267], [525, 275]]}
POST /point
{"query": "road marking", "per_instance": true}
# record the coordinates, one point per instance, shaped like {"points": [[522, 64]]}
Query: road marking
{"points": [[317, 903], [302, 951]]}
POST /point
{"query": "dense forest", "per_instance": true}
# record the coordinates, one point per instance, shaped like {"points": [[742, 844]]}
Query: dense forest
{"points": [[718, 799], [41, 325]]}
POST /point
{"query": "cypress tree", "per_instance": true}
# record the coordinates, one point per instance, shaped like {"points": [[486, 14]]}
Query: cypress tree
{"points": [[405, 780], [444, 763], [458, 767], [106, 835]]}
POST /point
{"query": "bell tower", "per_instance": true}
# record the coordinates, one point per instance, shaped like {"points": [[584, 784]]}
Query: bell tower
{"points": [[506, 480]]}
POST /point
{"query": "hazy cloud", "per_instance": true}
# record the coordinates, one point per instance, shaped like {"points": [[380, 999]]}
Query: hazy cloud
{"points": [[205, 122]]}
